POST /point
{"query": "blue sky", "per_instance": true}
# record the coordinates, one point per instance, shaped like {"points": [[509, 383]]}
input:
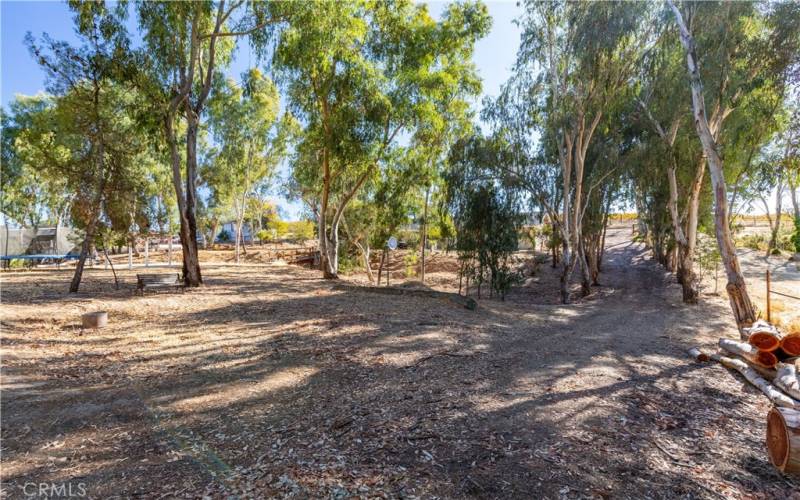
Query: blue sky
{"points": [[19, 74]]}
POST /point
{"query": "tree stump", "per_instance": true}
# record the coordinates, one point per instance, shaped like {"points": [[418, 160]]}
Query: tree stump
{"points": [[783, 439], [97, 319]]}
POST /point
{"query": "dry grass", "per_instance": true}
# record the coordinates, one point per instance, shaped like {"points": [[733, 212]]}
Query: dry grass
{"points": [[266, 382]]}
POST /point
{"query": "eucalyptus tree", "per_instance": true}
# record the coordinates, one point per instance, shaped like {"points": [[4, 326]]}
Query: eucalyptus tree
{"points": [[185, 44], [575, 59], [661, 81], [384, 204], [485, 211], [252, 139], [791, 161], [755, 52], [359, 76]]}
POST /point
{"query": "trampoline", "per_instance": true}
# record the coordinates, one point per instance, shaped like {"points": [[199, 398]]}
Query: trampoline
{"points": [[37, 258]]}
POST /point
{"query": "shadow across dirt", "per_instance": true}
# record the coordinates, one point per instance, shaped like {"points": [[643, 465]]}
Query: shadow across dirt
{"points": [[278, 385]]}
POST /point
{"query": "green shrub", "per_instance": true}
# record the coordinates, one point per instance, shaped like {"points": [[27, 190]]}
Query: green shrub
{"points": [[753, 241], [301, 230], [410, 261], [795, 239], [224, 236], [348, 262], [264, 235]]}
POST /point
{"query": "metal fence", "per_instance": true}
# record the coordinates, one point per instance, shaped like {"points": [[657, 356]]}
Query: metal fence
{"points": [[771, 292]]}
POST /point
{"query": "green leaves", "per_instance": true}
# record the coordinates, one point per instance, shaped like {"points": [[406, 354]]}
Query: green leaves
{"points": [[251, 139]]}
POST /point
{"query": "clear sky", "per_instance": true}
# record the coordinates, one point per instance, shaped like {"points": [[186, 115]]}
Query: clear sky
{"points": [[19, 74]]}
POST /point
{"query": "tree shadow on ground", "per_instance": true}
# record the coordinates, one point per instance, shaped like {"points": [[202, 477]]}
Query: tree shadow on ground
{"points": [[297, 389]]}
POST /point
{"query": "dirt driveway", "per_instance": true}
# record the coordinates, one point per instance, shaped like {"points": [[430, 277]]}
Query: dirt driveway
{"points": [[267, 382]]}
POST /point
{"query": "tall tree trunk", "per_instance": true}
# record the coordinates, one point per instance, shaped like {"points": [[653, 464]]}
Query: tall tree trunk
{"points": [[566, 272], [191, 260], [114, 271], [586, 275], [85, 246], [8, 235], [328, 249], [364, 249], [794, 198], [601, 251], [773, 240], [424, 236], [743, 310], [687, 242], [214, 227], [188, 223], [237, 237]]}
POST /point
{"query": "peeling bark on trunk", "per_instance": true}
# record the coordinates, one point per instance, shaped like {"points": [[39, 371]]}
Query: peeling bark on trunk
{"points": [[795, 202], [776, 226], [566, 271], [685, 237], [777, 397], [191, 259], [364, 249], [191, 268], [743, 310], [688, 243]]}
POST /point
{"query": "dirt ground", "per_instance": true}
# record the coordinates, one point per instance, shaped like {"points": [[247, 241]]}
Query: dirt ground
{"points": [[268, 382]]}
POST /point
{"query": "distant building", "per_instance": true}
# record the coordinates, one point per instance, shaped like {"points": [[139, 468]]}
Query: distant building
{"points": [[230, 228]]}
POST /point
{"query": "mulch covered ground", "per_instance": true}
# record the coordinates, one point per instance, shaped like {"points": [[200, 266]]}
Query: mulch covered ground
{"points": [[268, 382]]}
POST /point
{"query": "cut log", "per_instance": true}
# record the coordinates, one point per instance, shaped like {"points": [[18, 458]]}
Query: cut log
{"points": [[791, 344], [766, 359], [769, 390], [783, 439], [786, 379], [767, 373], [763, 335], [698, 355]]}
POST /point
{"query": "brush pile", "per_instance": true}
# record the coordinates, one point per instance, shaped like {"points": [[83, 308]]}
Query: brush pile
{"points": [[770, 360]]}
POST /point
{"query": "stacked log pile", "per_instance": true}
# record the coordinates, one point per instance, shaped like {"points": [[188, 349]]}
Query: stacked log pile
{"points": [[770, 360]]}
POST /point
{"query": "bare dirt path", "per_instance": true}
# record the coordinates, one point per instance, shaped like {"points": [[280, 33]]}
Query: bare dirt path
{"points": [[267, 382]]}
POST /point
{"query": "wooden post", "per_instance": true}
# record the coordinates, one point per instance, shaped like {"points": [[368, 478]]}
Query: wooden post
{"points": [[388, 261], [169, 250], [769, 316], [130, 256], [147, 252]]}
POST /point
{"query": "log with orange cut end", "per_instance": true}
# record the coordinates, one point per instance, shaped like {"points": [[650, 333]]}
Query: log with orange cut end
{"points": [[764, 336], [791, 344], [767, 359]]}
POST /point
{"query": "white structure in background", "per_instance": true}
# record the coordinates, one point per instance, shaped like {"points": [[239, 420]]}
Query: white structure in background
{"points": [[230, 228], [39, 241]]}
